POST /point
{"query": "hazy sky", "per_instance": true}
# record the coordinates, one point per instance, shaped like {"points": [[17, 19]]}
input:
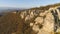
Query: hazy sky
{"points": [[26, 3]]}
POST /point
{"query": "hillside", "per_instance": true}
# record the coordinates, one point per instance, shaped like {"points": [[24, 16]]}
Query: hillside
{"points": [[39, 20]]}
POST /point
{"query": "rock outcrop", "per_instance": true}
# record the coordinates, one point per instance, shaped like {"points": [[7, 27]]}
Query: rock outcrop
{"points": [[45, 20]]}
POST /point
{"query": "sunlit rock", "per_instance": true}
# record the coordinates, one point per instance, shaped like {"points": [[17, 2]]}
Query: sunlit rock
{"points": [[27, 17], [39, 20], [31, 24], [23, 14], [43, 13], [49, 23], [31, 14]]}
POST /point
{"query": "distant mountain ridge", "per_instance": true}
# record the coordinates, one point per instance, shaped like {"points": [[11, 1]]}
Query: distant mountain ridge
{"points": [[2, 9]]}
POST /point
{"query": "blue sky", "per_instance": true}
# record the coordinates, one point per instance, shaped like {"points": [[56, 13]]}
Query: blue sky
{"points": [[26, 3]]}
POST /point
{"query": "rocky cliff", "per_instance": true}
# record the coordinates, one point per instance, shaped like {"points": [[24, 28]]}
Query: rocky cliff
{"points": [[43, 20]]}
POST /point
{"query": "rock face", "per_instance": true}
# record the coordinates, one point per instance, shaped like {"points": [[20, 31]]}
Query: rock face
{"points": [[31, 21], [46, 22]]}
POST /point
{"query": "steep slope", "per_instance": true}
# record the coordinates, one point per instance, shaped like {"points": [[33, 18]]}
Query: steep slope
{"points": [[42, 20]]}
